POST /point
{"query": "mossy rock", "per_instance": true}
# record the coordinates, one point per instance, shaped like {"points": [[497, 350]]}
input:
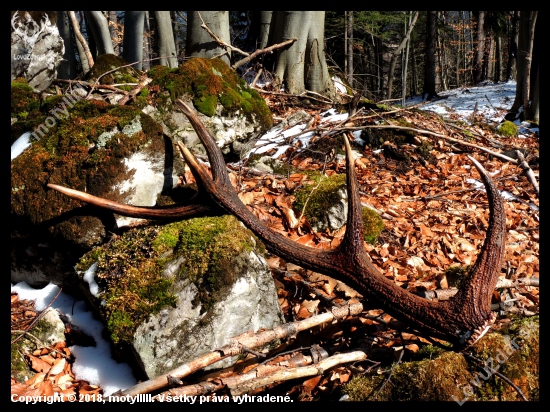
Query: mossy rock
{"points": [[82, 147], [108, 62], [141, 272], [450, 376], [328, 195], [507, 129], [211, 83], [25, 108]]}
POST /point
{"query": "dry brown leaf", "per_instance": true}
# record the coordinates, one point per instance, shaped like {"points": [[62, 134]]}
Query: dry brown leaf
{"points": [[58, 366], [246, 197], [38, 364]]}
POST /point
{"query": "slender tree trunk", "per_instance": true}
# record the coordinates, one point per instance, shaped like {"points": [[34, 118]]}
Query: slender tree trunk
{"points": [[405, 62], [100, 30], [132, 46], [477, 65], [512, 47], [199, 42], [396, 53], [414, 80], [528, 59], [442, 73], [498, 59], [67, 67], [147, 47], [349, 48], [429, 90], [175, 30], [166, 46]]}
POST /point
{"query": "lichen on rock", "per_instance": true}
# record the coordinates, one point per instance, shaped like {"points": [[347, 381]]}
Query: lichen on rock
{"points": [[179, 290]]}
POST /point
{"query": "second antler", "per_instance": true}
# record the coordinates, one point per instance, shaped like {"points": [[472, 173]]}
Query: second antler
{"points": [[460, 320]]}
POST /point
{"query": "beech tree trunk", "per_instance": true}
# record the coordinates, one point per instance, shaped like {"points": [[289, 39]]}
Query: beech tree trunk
{"points": [[132, 44], [67, 67], [302, 66], [166, 45], [100, 30], [199, 42]]}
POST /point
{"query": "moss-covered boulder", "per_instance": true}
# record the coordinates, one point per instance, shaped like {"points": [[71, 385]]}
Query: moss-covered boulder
{"points": [[86, 145], [448, 376], [174, 292], [507, 129], [104, 70], [230, 110], [325, 205]]}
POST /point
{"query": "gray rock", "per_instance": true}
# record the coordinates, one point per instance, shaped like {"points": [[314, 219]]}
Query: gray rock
{"points": [[178, 335]]}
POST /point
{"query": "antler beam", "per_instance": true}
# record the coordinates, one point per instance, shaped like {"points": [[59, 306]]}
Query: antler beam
{"points": [[461, 320]]}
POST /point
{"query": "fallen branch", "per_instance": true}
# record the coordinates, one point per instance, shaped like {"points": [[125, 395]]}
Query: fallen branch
{"points": [[302, 372], [430, 133], [100, 86], [132, 95], [528, 171], [269, 49], [248, 339]]}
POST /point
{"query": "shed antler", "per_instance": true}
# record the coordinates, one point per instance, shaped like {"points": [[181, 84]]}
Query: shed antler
{"points": [[460, 320]]}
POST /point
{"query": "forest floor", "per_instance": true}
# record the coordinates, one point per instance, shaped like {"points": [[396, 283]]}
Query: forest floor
{"points": [[419, 179]]}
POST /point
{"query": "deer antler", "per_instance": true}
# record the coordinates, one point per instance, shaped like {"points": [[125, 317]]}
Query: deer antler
{"points": [[460, 320]]}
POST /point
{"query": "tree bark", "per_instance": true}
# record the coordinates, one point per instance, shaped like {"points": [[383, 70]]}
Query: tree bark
{"points": [[349, 46], [147, 47], [133, 38], [67, 67], [100, 30], [199, 42], [86, 59], [396, 53], [429, 64], [113, 32], [166, 45], [302, 66], [477, 65], [512, 47]]}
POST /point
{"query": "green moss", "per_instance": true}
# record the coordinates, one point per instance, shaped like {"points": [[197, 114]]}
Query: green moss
{"points": [[372, 225], [313, 200], [456, 274], [324, 194], [131, 268], [442, 375], [209, 82], [508, 129], [72, 153], [107, 62]]}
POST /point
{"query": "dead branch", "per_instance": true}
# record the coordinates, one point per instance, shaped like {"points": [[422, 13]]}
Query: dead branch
{"points": [[218, 40], [100, 86], [248, 339], [301, 372], [132, 95], [81, 39], [269, 49], [528, 171], [439, 135]]}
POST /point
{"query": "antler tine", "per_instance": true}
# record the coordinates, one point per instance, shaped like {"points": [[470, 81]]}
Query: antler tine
{"points": [[217, 162], [483, 277], [144, 212], [353, 238]]}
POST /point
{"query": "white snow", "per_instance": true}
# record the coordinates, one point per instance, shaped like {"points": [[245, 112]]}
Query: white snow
{"points": [[20, 145], [92, 364]]}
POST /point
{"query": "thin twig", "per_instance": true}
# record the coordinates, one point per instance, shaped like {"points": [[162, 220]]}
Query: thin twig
{"points": [[500, 375], [220, 41], [390, 375], [262, 51]]}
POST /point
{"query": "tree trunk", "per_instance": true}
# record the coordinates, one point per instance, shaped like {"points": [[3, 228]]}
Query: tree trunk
{"points": [[349, 47], [477, 65], [199, 42], [100, 30], [512, 47], [132, 46], [498, 59], [302, 66], [527, 91], [113, 32], [396, 53], [414, 74], [147, 47], [67, 67], [441, 73], [429, 64], [166, 46], [84, 53], [173, 17]]}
